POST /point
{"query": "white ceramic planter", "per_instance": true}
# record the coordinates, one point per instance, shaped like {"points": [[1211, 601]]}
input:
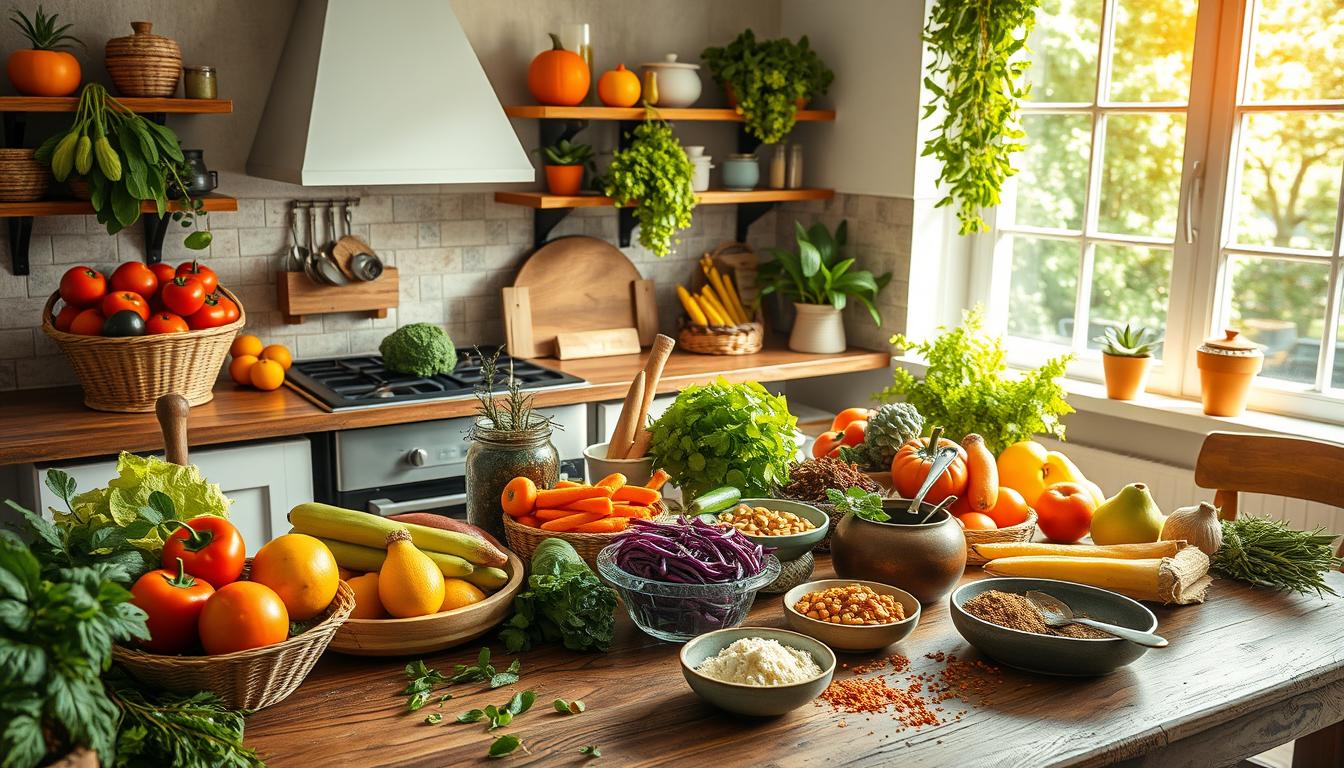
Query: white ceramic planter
{"points": [[818, 328]]}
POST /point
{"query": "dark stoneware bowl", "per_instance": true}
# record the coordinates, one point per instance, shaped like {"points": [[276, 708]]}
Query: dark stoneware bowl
{"points": [[926, 559]]}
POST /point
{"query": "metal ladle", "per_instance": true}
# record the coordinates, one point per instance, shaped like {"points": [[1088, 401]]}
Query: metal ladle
{"points": [[1057, 614], [941, 461], [298, 255]]}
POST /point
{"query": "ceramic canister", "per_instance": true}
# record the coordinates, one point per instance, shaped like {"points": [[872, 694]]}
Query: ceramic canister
{"points": [[1227, 365], [678, 83], [741, 172]]}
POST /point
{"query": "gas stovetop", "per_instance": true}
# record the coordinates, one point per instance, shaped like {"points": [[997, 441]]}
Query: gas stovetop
{"points": [[361, 381]]}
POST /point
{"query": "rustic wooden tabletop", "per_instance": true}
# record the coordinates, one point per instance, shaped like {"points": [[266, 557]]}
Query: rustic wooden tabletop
{"points": [[1248, 670]]}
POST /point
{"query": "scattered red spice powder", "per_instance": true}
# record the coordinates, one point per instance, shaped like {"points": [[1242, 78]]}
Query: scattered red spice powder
{"points": [[916, 704]]}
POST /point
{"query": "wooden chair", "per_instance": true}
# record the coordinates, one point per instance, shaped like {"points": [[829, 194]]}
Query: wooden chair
{"points": [[1230, 463]]}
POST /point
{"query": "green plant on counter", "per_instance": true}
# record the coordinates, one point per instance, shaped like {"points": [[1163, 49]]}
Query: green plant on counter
{"points": [[1127, 342], [768, 78], [858, 502], [565, 152], [976, 79], [723, 434], [41, 30], [126, 159], [654, 173], [816, 274], [968, 388]]}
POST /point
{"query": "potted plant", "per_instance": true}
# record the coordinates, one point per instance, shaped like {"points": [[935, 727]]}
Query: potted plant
{"points": [[767, 82], [820, 284], [564, 164], [1125, 356], [654, 173], [43, 69]]}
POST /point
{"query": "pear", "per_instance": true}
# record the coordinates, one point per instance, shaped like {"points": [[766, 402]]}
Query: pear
{"points": [[1129, 517]]}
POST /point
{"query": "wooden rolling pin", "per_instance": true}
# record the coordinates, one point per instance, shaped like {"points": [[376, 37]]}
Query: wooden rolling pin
{"points": [[172, 410], [624, 436], [653, 373]]}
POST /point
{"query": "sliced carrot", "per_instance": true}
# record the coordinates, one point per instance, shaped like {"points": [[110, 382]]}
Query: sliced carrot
{"points": [[636, 495], [629, 510], [571, 522], [600, 504], [605, 525], [530, 521], [559, 497], [658, 480], [568, 484], [519, 497], [613, 481]]}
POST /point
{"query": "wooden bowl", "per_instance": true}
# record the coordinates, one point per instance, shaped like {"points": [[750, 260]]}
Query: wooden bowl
{"points": [[435, 632]]}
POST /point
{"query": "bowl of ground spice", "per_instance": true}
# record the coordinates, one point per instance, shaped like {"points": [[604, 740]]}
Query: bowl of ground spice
{"points": [[995, 616], [851, 615]]}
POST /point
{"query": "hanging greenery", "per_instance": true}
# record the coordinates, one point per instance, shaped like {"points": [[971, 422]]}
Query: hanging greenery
{"points": [[977, 80], [654, 174], [769, 78]]}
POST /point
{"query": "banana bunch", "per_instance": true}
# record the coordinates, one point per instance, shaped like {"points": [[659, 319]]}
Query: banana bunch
{"points": [[718, 302]]}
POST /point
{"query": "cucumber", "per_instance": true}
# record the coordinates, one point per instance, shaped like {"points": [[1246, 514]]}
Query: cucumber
{"points": [[713, 501], [327, 522], [369, 559]]}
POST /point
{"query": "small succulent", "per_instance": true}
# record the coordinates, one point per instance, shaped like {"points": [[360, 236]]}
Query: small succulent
{"points": [[1129, 342], [564, 152], [42, 31]]}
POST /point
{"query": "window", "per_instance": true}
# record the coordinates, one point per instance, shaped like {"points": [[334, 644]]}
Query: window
{"points": [[1183, 171]]}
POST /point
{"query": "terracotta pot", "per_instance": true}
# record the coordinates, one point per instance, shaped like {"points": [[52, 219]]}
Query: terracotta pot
{"points": [[1126, 375], [926, 560], [564, 179], [1227, 366], [818, 328]]}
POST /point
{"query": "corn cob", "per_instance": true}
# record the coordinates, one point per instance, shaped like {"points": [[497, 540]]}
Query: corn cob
{"points": [[707, 299], [736, 297]]}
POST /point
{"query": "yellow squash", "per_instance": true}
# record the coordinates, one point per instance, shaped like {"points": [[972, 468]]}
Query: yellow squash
{"points": [[361, 558], [409, 583]]}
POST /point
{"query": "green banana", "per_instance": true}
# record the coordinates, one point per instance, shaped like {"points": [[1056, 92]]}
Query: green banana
{"points": [[63, 158], [84, 155], [108, 161]]}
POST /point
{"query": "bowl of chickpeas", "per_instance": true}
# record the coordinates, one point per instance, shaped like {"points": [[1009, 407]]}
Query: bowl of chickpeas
{"points": [[851, 615], [793, 528]]}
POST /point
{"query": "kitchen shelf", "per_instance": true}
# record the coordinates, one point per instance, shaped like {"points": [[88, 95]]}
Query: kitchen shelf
{"points": [[704, 114], [138, 105]]}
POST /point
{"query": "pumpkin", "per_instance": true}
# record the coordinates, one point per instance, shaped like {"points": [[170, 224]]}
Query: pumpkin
{"points": [[618, 87], [558, 77], [43, 73], [912, 463]]}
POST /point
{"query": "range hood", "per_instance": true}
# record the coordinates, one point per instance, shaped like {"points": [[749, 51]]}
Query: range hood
{"points": [[373, 93]]}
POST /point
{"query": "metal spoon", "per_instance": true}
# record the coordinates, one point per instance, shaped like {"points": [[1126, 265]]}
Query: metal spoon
{"points": [[309, 265], [941, 461], [297, 253], [1057, 614]]}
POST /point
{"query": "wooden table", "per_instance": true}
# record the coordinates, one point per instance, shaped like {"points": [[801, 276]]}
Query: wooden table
{"points": [[1246, 671]]}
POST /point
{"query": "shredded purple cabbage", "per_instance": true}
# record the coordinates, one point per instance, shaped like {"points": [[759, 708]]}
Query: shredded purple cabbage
{"points": [[687, 552]]}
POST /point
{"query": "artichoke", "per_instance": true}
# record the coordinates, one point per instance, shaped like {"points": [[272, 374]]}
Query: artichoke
{"points": [[890, 426]]}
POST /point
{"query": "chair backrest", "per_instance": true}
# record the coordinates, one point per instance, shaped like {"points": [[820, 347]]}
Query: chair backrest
{"points": [[1298, 468]]}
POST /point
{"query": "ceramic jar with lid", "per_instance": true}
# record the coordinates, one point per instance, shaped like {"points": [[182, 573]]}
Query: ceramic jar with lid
{"points": [[144, 64], [741, 172], [676, 84], [1227, 365], [702, 164]]}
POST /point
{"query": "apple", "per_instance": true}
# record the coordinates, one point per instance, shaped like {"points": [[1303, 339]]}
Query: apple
{"points": [[1028, 468], [1064, 512]]}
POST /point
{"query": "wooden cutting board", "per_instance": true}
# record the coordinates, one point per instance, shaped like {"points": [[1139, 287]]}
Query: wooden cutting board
{"points": [[575, 284]]}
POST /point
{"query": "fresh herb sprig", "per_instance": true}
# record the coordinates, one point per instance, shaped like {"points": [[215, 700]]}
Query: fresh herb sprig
{"points": [[1268, 552], [505, 745], [503, 714], [512, 413], [858, 502], [195, 731], [590, 750]]}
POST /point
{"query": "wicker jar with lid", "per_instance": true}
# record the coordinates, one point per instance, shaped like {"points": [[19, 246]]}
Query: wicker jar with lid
{"points": [[144, 64], [22, 178]]}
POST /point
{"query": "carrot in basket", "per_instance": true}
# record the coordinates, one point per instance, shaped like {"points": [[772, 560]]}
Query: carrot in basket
{"points": [[636, 495], [571, 522], [568, 484], [559, 497], [530, 521], [600, 504], [630, 510], [605, 525], [613, 481], [658, 480], [553, 514]]}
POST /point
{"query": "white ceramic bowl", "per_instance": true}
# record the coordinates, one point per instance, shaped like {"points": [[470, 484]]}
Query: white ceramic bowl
{"points": [[755, 700], [636, 471]]}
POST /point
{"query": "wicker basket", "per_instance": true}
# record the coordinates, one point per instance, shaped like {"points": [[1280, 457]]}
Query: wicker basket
{"points": [[128, 374], [22, 178], [143, 64], [1023, 531], [721, 339], [524, 539], [251, 679]]}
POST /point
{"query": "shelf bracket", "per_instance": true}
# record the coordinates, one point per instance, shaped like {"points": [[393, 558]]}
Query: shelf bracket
{"points": [[747, 214], [553, 131], [156, 227], [625, 224], [14, 125], [20, 234], [543, 221]]}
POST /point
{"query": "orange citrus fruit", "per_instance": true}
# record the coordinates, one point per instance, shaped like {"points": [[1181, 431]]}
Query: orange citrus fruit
{"points": [[240, 369], [247, 344], [367, 603], [279, 353], [975, 521], [301, 570], [266, 374], [458, 594]]}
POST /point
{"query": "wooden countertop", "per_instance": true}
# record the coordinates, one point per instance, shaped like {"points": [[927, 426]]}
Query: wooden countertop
{"points": [[1246, 671], [53, 424]]}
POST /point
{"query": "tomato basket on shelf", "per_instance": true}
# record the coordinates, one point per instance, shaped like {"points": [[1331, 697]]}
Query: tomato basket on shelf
{"points": [[128, 374]]}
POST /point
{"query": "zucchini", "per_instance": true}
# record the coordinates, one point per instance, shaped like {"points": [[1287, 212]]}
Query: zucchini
{"points": [[713, 501], [488, 578], [370, 559], [327, 522]]}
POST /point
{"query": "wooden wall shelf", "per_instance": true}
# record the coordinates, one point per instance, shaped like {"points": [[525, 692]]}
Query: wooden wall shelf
{"points": [[703, 114], [298, 296], [142, 106], [212, 202]]}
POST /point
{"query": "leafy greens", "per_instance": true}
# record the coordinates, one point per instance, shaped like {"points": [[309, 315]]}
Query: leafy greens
{"points": [[565, 603]]}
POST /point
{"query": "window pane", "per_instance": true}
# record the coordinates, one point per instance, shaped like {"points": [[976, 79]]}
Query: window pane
{"points": [[1129, 285], [1288, 193], [1141, 174], [1052, 173], [1280, 304], [1043, 290], [1154, 45], [1297, 51], [1064, 51], [1338, 382]]}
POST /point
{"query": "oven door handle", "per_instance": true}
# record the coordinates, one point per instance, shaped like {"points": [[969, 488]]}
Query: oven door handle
{"points": [[388, 507]]}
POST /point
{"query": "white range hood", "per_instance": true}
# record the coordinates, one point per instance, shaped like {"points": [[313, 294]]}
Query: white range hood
{"points": [[371, 92]]}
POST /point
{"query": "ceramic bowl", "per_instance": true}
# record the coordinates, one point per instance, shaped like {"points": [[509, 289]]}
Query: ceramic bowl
{"points": [[925, 559], [793, 546], [756, 700], [1049, 654], [636, 471], [853, 638]]}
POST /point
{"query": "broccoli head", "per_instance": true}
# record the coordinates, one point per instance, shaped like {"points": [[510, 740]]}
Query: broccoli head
{"points": [[423, 349]]}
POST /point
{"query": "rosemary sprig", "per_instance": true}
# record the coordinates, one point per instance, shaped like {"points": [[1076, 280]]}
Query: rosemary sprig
{"points": [[514, 412], [1268, 552]]}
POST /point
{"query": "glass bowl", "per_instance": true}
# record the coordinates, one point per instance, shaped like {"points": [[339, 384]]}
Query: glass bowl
{"points": [[679, 612]]}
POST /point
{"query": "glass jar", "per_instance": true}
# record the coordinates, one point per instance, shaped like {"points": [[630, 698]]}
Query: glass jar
{"points": [[778, 164], [199, 83], [795, 166], [497, 456]]}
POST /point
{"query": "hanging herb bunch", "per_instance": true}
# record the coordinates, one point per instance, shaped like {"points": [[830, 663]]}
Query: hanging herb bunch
{"points": [[977, 80], [126, 160], [768, 79], [654, 173]]}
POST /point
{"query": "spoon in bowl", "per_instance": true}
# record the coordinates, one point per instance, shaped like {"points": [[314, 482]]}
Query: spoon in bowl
{"points": [[1057, 614], [941, 461]]}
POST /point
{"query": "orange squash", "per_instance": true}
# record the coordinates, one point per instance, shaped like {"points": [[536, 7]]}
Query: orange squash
{"points": [[912, 463], [558, 77], [43, 73], [618, 87]]}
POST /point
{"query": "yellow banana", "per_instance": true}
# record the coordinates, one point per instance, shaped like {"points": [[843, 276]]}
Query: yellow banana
{"points": [[721, 293], [707, 298]]}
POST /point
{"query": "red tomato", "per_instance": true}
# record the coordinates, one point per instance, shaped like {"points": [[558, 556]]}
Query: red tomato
{"points": [[231, 311], [83, 286], [826, 443], [243, 615], [135, 277], [853, 433], [116, 302], [183, 295], [166, 322], [1064, 512], [164, 272], [65, 317], [843, 418], [201, 272], [173, 601], [211, 315], [210, 547], [88, 322]]}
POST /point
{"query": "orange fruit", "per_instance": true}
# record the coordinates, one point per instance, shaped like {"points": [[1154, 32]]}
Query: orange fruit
{"points": [[266, 374], [1010, 509], [240, 369], [367, 603], [459, 594], [301, 570], [279, 353], [246, 344], [976, 521]]}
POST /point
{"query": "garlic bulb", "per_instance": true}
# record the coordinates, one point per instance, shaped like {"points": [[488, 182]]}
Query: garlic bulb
{"points": [[1197, 525]]}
